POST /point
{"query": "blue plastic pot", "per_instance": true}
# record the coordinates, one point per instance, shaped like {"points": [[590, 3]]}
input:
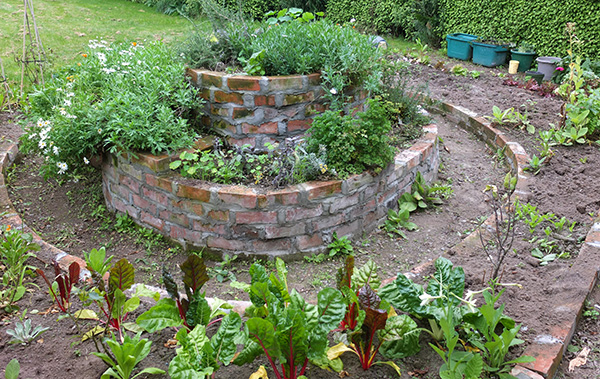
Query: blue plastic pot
{"points": [[459, 46]]}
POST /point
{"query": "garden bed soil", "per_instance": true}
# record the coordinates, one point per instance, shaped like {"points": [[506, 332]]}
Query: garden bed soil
{"points": [[467, 163]]}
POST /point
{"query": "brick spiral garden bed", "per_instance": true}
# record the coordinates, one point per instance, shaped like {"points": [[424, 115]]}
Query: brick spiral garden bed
{"points": [[296, 220]]}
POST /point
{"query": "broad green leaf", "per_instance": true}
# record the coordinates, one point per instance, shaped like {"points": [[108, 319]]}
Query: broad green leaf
{"points": [[403, 294], [474, 367], [142, 291], [400, 337], [86, 314], [12, 369], [451, 279], [162, 315], [131, 304], [367, 274], [121, 276], [194, 272], [218, 307], [151, 371], [180, 368], [132, 327], [170, 284], [262, 332], [258, 274], [331, 307], [118, 303], [223, 342], [282, 272], [198, 312]]}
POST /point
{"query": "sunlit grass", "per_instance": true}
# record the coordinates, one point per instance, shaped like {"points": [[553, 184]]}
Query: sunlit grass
{"points": [[65, 27]]}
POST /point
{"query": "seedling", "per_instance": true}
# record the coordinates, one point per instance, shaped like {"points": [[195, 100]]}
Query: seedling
{"points": [[459, 70], [341, 246], [535, 164]]}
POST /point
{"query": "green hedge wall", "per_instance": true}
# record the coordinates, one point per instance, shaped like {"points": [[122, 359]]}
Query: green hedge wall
{"points": [[539, 22], [385, 16]]}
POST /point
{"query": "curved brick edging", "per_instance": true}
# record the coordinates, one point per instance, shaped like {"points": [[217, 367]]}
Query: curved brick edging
{"points": [[256, 110], [296, 220]]}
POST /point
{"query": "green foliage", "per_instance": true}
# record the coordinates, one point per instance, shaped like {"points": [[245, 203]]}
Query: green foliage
{"points": [[126, 356], [118, 97], [222, 271], [284, 327], [536, 21], [13, 368], [341, 246], [397, 221], [353, 145], [23, 334], [381, 17], [16, 248]]}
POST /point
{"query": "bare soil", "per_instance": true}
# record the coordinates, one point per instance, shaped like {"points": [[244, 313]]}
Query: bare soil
{"points": [[71, 216]]}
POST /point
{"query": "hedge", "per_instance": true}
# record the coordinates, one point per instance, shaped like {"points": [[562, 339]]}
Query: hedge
{"points": [[539, 22], [382, 17]]}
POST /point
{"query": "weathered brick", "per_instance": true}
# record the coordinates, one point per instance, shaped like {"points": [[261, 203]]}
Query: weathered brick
{"points": [[307, 242], [316, 190], [177, 218], [294, 125], [195, 192], [188, 206], [284, 196], [256, 217], [68, 259], [222, 243], [245, 231], [193, 75], [297, 99], [345, 202], [244, 83], [224, 97], [212, 79], [219, 111], [281, 244], [409, 157], [162, 183], [424, 148], [296, 214], [328, 222], [148, 219], [241, 113], [281, 83], [262, 100], [155, 196], [242, 196], [314, 79], [204, 143], [266, 128], [218, 215], [349, 229], [593, 236], [547, 357], [243, 141], [177, 232], [225, 126], [211, 228], [276, 231], [204, 94], [156, 163]]}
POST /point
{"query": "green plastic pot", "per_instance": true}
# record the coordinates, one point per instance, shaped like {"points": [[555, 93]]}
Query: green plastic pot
{"points": [[536, 75], [459, 46], [489, 55], [525, 59]]}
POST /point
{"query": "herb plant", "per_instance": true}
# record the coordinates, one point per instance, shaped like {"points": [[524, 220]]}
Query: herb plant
{"points": [[340, 245], [23, 333], [16, 248]]}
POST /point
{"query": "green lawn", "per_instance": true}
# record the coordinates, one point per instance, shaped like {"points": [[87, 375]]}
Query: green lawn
{"points": [[65, 27]]}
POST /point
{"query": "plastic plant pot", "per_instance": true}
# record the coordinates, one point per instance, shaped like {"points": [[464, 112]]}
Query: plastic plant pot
{"points": [[489, 55], [547, 65], [525, 59], [459, 46], [536, 75]]}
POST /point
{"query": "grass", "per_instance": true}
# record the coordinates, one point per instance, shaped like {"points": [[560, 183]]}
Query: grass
{"points": [[66, 26]]}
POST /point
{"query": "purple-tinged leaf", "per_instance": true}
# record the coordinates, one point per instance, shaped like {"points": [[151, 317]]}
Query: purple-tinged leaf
{"points": [[194, 273]]}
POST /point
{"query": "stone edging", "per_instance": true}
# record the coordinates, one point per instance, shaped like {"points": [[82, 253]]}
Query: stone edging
{"points": [[296, 220], [548, 356]]}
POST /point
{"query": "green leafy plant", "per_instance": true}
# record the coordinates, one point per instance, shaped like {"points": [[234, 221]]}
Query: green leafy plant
{"points": [[13, 369], [459, 70], [445, 289], [525, 47], [254, 64], [340, 246], [23, 333], [499, 116], [127, 355], [284, 327], [535, 164], [198, 356], [63, 284], [291, 14], [16, 248], [222, 270], [499, 334], [119, 97], [189, 311], [475, 74], [353, 145], [397, 221]]}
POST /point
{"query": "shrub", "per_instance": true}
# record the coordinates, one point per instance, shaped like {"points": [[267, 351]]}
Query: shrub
{"points": [[120, 97], [353, 144], [387, 16]]}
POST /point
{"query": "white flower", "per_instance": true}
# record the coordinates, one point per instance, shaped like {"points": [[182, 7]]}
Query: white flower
{"points": [[32, 136], [67, 103], [62, 167], [109, 70], [125, 63], [353, 20], [102, 57], [427, 298], [75, 180], [86, 161], [42, 144], [46, 123], [59, 90], [63, 111], [71, 116], [55, 150], [333, 91], [139, 62], [70, 94], [40, 123]]}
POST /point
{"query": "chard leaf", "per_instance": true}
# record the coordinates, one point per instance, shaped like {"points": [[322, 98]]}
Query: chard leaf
{"points": [[249, 353], [451, 280], [400, 337], [368, 298], [263, 333], [375, 319], [223, 342], [366, 275], [74, 270], [198, 312], [279, 289], [194, 273], [258, 274], [131, 304], [311, 313], [162, 315], [194, 358], [121, 276], [344, 275], [403, 294], [331, 307], [282, 272], [260, 294], [291, 336], [170, 284], [118, 302]]}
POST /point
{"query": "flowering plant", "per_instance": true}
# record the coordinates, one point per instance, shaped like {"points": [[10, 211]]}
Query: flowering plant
{"points": [[126, 96]]}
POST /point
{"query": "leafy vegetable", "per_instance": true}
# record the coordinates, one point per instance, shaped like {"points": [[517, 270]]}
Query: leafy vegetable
{"points": [[127, 356], [63, 283]]}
